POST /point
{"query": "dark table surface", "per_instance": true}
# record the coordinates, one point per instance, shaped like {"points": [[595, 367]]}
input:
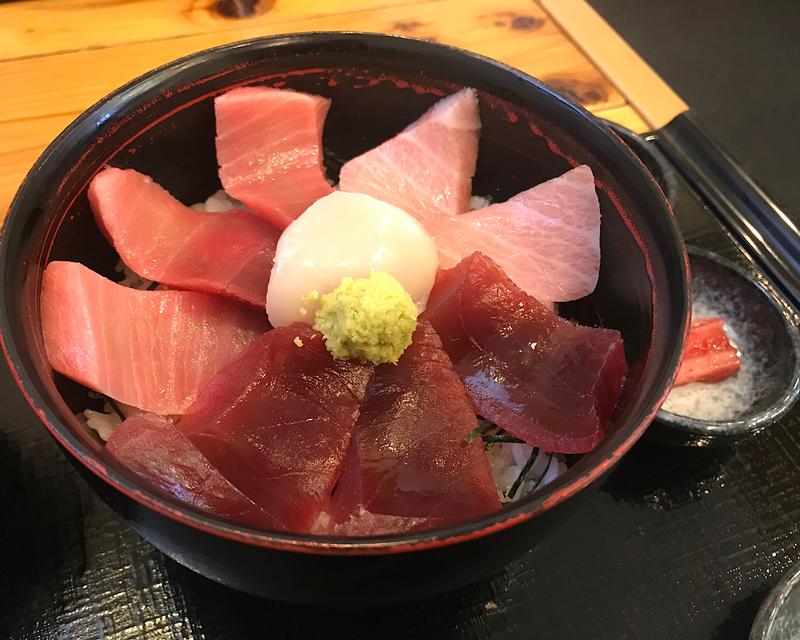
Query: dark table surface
{"points": [[735, 62], [678, 543]]}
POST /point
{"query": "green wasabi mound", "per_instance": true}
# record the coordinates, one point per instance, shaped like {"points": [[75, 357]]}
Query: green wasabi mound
{"points": [[368, 319]]}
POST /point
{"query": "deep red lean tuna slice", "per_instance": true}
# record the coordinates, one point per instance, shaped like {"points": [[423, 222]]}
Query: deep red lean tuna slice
{"points": [[546, 239], [709, 356], [426, 169], [269, 150], [159, 238], [408, 466], [168, 463], [277, 420], [363, 524], [149, 349], [541, 378]]}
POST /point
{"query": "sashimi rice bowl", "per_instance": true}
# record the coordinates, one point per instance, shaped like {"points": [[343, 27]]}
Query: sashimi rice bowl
{"points": [[341, 294]]}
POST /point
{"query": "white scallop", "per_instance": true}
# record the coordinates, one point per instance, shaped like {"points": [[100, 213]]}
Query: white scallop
{"points": [[347, 234]]}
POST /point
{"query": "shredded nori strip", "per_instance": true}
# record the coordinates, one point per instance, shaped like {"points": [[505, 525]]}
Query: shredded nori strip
{"points": [[478, 431], [491, 438], [521, 477], [481, 431]]}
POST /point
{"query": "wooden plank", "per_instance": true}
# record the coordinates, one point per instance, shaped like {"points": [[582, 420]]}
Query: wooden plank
{"points": [[33, 27], [642, 87], [514, 31], [627, 116], [16, 164], [50, 91]]}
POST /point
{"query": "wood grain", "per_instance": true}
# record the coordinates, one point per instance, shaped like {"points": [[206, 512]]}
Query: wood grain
{"points": [[33, 27], [642, 87], [73, 81], [625, 115], [61, 56]]}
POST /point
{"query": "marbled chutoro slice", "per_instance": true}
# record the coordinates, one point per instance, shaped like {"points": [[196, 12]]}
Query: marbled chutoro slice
{"points": [[149, 349], [409, 466], [546, 239], [159, 238], [541, 378], [164, 459], [277, 420], [427, 168], [269, 150]]}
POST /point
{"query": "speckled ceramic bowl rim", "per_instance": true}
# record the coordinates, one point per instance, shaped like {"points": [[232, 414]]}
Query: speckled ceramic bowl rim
{"points": [[610, 451], [767, 612], [771, 414]]}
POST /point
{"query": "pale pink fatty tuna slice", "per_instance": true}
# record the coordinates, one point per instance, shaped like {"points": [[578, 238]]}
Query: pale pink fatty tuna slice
{"points": [[160, 239], [149, 349], [166, 461], [277, 420], [546, 239], [409, 466], [542, 378], [269, 150], [426, 169]]}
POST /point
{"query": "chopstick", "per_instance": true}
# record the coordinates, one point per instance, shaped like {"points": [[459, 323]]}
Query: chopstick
{"points": [[765, 233]]}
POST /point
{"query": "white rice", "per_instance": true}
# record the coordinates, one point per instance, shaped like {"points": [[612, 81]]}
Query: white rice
{"points": [[322, 524], [106, 421], [218, 202], [507, 461], [479, 202], [103, 422]]}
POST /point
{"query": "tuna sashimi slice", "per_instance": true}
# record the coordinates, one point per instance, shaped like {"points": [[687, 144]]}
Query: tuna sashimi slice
{"points": [[160, 239], [167, 462], [408, 457], [709, 356], [269, 150], [546, 239], [427, 168], [541, 378], [149, 349], [364, 524], [277, 420]]}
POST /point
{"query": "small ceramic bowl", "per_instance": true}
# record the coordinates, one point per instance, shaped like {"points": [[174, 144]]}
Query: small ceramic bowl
{"points": [[779, 615], [768, 383]]}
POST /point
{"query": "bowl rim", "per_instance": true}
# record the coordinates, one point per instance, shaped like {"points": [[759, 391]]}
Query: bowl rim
{"points": [[762, 628], [329, 545], [759, 420], [641, 144]]}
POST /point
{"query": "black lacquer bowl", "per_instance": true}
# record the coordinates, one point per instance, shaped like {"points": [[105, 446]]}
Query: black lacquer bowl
{"points": [[162, 124]]}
